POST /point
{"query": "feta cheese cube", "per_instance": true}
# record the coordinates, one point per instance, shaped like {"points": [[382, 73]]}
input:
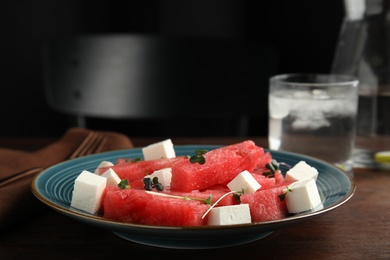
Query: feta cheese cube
{"points": [[301, 171], [112, 177], [103, 164], [302, 196], [163, 149], [229, 215], [87, 192], [245, 181], [164, 176]]}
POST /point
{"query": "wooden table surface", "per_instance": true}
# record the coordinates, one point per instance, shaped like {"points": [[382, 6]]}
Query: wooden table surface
{"points": [[359, 229]]}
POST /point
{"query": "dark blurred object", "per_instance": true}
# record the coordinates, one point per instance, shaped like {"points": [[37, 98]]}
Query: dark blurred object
{"points": [[178, 86], [303, 35], [363, 51]]}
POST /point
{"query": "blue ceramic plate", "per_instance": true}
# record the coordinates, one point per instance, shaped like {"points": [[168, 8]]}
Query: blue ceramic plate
{"points": [[54, 187]]}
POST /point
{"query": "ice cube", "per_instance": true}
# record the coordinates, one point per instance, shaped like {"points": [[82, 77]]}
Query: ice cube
{"points": [[278, 107]]}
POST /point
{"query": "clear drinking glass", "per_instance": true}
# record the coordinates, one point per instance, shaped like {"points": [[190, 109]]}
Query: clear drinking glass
{"points": [[314, 115]]}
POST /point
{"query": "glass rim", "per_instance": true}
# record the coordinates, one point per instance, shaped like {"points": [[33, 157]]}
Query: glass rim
{"points": [[334, 79]]}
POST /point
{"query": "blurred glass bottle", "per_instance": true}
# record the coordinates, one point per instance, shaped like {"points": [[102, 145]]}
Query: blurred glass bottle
{"points": [[363, 51]]}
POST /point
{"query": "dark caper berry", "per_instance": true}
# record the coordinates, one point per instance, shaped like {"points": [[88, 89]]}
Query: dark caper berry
{"points": [[148, 184], [159, 186]]}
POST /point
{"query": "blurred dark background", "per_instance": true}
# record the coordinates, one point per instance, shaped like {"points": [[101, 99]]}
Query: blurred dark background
{"points": [[304, 34]]}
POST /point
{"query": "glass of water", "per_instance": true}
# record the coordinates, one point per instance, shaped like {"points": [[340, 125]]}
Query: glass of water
{"points": [[315, 115]]}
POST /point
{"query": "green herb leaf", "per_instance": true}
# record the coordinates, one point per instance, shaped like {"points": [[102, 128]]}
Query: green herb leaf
{"points": [[283, 196], [208, 200], [237, 195], [270, 167], [123, 184], [273, 166], [268, 174], [155, 180], [205, 201], [200, 152], [198, 157]]}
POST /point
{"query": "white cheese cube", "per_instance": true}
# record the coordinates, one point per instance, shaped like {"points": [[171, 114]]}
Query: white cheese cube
{"points": [[302, 196], [245, 181], [111, 176], [103, 164], [87, 192], [229, 215], [301, 171], [164, 176], [163, 149]]}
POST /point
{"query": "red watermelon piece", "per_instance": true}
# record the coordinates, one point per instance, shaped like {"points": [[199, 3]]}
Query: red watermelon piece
{"points": [[265, 204], [137, 184], [139, 207], [264, 181], [267, 182], [137, 170], [221, 166]]}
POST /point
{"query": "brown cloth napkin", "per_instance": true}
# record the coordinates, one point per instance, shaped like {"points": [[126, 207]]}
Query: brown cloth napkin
{"points": [[16, 199]]}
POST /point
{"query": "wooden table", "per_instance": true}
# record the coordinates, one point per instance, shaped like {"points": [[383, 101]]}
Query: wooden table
{"points": [[359, 229]]}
